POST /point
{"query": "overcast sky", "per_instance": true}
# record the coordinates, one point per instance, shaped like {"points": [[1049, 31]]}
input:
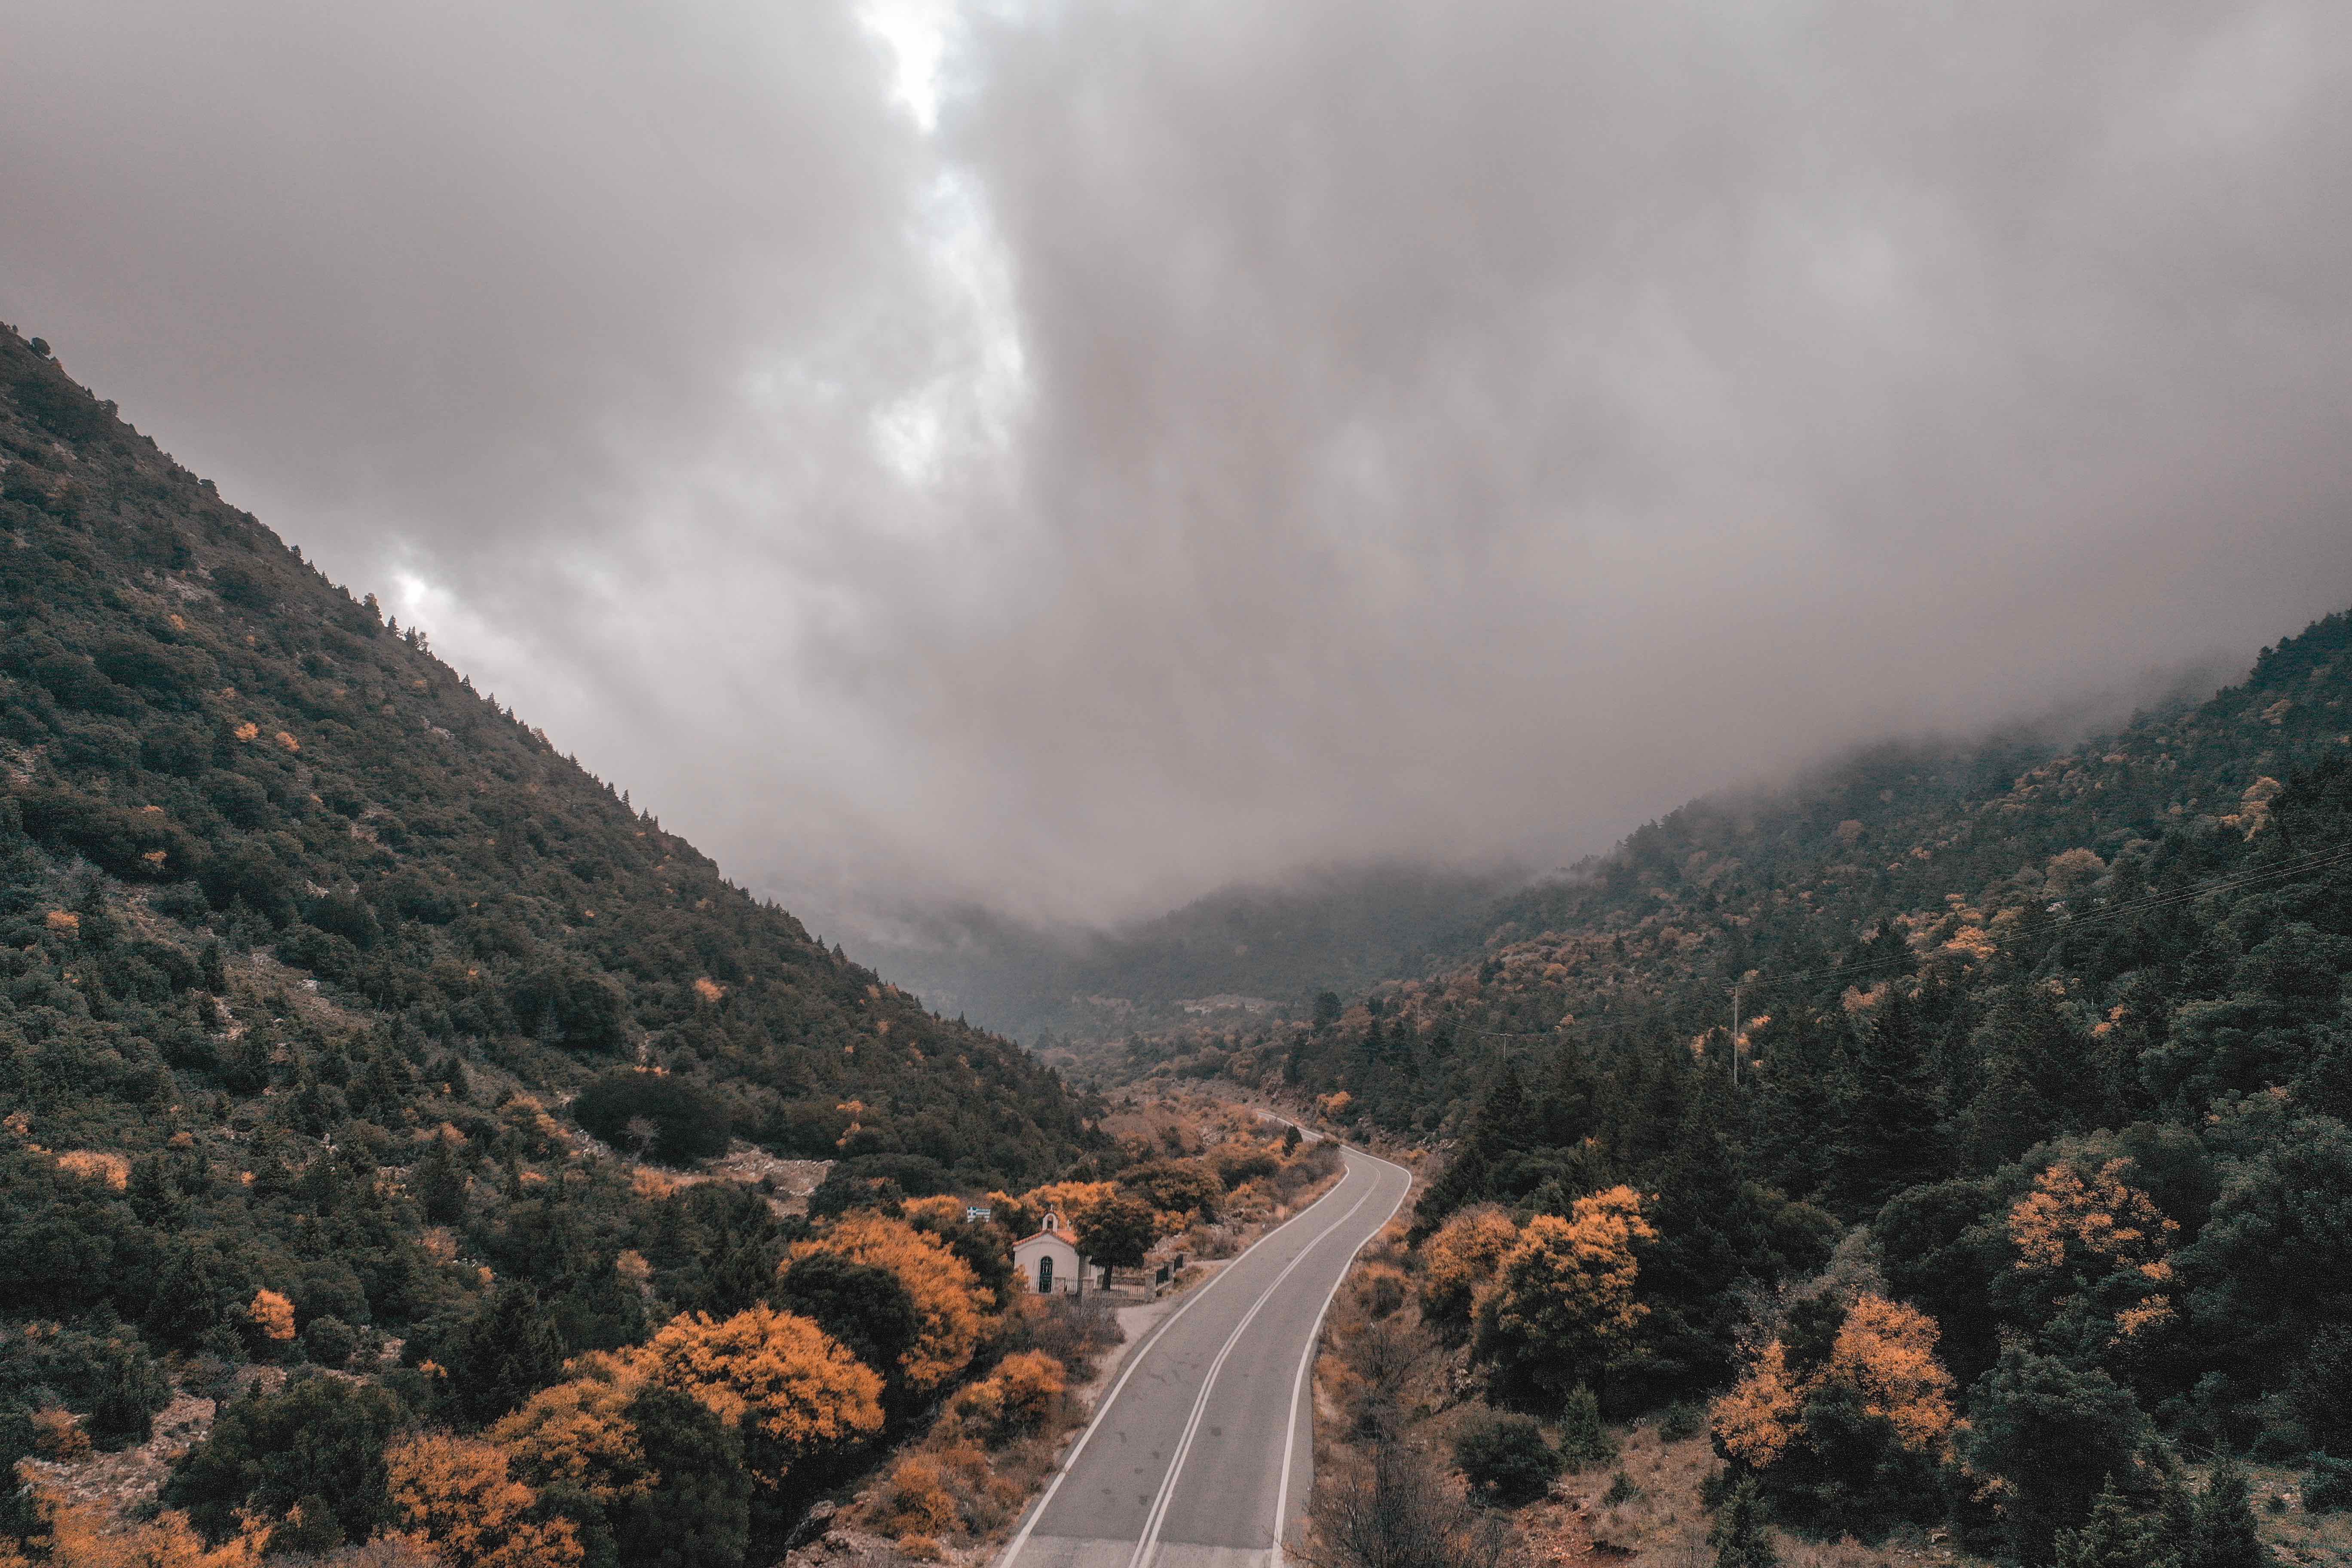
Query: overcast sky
{"points": [[1073, 454]]}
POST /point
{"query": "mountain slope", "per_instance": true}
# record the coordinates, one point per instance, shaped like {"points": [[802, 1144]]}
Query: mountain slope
{"points": [[242, 754], [2054, 1050]]}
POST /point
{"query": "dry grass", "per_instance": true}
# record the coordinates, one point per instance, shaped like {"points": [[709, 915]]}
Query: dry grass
{"points": [[1665, 1524], [2298, 1537]]}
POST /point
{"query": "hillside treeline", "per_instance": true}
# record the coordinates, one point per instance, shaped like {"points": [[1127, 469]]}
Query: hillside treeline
{"points": [[346, 1026], [2043, 1080]]}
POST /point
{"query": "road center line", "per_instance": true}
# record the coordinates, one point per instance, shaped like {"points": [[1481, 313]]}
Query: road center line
{"points": [[1158, 1514], [1306, 1358], [1102, 1411]]}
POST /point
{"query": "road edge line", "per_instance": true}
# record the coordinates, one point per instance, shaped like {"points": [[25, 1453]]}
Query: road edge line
{"points": [[1306, 1357], [1158, 1516], [1069, 1460]]}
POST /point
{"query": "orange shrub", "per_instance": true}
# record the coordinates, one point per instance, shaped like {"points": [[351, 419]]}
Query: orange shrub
{"points": [[91, 1165], [1459, 1261], [1567, 1283], [1758, 1419], [85, 1535], [776, 1373], [1885, 1351], [1076, 1202], [273, 1315], [941, 1210], [57, 1436], [914, 1499], [940, 1283], [578, 1434], [1379, 1289], [1888, 1351], [1022, 1397], [456, 1493], [2071, 1228]]}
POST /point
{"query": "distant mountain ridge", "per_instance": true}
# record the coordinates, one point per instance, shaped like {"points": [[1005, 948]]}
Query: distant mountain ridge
{"points": [[1335, 929]]}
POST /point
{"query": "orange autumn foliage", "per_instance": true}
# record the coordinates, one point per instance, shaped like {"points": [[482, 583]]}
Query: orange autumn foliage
{"points": [[1462, 1257], [1888, 1351], [1884, 1352], [578, 1434], [1077, 1202], [943, 1209], [1019, 1398], [57, 1436], [1756, 1421], [456, 1493], [273, 1314], [941, 1284], [85, 1535], [2102, 1225], [775, 1373], [1568, 1280], [92, 1165]]}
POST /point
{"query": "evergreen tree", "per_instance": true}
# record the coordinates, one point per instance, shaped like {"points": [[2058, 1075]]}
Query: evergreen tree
{"points": [[2113, 1537], [1584, 1442], [864, 1307], [2222, 1534], [2052, 1433], [698, 1515], [1743, 1535], [505, 1353], [440, 1184], [1890, 1133]]}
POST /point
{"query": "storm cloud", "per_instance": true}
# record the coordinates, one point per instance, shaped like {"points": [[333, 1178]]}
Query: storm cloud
{"points": [[1071, 456]]}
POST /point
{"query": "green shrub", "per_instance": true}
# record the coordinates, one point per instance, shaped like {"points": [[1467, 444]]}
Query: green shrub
{"points": [[1505, 1459], [318, 1436], [1584, 1443], [659, 1116], [330, 1341], [2327, 1485]]}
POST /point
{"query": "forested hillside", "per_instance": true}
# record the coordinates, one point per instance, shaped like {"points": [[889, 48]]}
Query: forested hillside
{"points": [[2042, 1079], [332, 995]]}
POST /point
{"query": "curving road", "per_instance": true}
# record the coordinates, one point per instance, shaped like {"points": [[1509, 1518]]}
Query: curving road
{"points": [[1206, 1436]]}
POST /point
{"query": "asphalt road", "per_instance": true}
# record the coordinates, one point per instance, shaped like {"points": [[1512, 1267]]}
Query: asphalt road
{"points": [[1208, 1430]]}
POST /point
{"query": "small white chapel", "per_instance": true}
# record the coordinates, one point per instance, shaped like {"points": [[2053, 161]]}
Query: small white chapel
{"points": [[1050, 1261]]}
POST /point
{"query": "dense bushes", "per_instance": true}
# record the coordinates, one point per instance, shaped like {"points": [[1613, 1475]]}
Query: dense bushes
{"points": [[661, 1116], [320, 1438], [1506, 1458]]}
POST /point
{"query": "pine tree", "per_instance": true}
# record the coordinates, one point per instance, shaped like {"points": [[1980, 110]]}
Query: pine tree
{"points": [[440, 1184], [1743, 1537], [507, 1352], [1891, 1135], [1584, 1443], [2113, 1537], [2222, 1534]]}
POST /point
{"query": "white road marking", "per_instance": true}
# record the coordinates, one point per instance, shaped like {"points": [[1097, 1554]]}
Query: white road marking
{"points": [[1013, 1551], [1158, 1514], [1307, 1356]]}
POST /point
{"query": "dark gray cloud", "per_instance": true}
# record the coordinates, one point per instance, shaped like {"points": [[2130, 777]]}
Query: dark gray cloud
{"points": [[1239, 435]]}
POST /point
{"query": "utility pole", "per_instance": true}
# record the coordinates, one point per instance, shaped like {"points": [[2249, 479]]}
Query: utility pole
{"points": [[1736, 988]]}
